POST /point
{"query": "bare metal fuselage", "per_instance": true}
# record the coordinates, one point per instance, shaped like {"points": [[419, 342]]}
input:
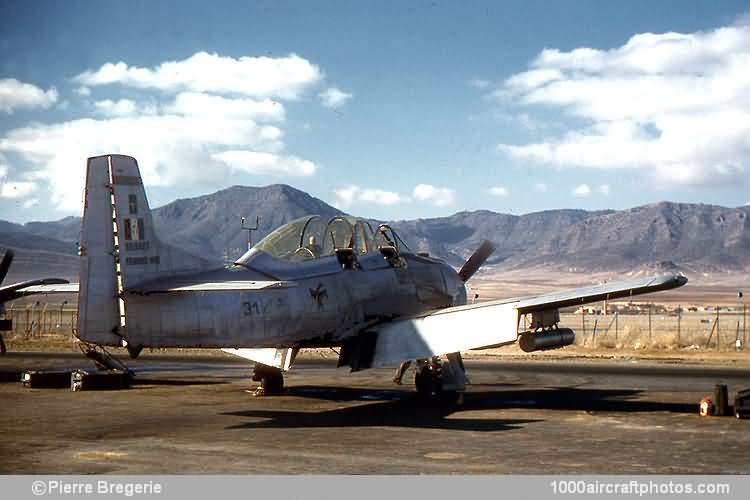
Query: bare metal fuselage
{"points": [[319, 302]]}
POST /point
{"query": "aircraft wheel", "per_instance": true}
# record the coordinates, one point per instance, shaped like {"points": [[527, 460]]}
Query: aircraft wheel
{"points": [[271, 379], [429, 383], [424, 382]]}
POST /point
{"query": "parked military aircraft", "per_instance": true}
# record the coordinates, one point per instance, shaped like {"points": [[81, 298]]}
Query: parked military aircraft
{"points": [[313, 282], [29, 287], [17, 290]]}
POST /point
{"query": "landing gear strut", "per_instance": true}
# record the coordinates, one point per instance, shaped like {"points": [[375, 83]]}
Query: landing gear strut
{"points": [[271, 380]]}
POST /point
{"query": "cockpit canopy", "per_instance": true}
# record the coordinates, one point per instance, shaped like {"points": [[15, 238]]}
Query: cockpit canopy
{"points": [[312, 237]]}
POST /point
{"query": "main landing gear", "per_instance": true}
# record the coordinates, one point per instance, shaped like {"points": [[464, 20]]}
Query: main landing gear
{"points": [[441, 381], [271, 380]]}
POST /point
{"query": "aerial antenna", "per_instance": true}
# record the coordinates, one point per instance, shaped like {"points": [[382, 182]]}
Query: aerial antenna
{"points": [[250, 231]]}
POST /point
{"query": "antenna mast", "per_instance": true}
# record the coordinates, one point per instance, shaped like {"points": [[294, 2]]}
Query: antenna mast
{"points": [[250, 231]]}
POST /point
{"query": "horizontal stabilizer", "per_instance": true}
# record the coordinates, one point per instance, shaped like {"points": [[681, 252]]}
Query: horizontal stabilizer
{"points": [[217, 286]]}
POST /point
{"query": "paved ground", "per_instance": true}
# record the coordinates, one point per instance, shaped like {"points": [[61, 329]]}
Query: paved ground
{"points": [[194, 415]]}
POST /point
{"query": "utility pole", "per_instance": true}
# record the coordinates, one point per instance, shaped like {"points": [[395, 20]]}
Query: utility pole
{"points": [[250, 230]]}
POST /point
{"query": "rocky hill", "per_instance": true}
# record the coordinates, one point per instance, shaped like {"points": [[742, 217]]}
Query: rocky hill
{"points": [[661, 236]]}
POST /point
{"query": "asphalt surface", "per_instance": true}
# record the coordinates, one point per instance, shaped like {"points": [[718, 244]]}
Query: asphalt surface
{"points": [[197, 415]]}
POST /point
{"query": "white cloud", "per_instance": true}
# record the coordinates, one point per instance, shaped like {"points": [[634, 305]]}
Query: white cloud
{"points": [[15, 190], [677, 105], [223, 119], [253, 162], [18, 95], [171, 149], [351, 194], [334, 98], [346, 196], [499, 191], [283, 77], [541, 187], [196, 103], [438, 196], [604, 189], [582, 191], [108, 107]]}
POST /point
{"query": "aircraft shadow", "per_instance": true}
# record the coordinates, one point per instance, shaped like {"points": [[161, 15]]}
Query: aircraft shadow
{"points": [[508, 396], [573, 399], [172, 382], [396, 413]]}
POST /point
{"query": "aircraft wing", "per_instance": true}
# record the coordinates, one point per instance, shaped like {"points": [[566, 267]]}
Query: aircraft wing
{"points": [[595, 293], [33, 287], [485, 324]]}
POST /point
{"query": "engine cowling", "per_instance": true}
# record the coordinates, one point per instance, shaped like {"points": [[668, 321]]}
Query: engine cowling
{"points": [[550, 339]]}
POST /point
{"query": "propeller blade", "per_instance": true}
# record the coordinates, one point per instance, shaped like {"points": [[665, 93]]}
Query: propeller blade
{"points": [[5, 264], [476, 260]]}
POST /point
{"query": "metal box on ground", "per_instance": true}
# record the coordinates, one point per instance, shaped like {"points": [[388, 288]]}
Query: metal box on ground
{"points": [[82, 380], [46, 379], [742, 404], [10, 375]]}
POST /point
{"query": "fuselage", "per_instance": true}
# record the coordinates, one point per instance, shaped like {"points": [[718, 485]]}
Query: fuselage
{"points": [[320, 303]]}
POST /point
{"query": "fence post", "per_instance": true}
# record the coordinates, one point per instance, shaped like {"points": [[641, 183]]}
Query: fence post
{"points": [[649, 323], [718, 338], [583, 322], [679, 319], [617, 315], [593, 334]]}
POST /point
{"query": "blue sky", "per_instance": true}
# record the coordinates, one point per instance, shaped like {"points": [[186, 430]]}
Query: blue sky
{"points": [[388, 110]]}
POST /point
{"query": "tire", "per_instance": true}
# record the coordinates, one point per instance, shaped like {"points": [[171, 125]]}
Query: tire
{"points": [[423, 381]]}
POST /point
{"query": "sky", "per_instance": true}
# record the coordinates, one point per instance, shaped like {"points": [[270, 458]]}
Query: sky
{"points": [[390, 110]]}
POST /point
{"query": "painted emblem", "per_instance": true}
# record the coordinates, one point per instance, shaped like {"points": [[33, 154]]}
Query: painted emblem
{"points": [[319, 294]]}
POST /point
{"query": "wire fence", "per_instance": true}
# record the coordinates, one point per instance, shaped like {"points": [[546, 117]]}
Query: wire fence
{"points": [[655, 326], [631, 326], [36, 320]]}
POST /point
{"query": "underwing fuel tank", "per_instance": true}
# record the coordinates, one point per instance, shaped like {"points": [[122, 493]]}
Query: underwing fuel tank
{"points": [[551, 339]]}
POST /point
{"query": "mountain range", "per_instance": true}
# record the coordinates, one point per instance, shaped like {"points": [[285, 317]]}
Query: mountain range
{"points": [[661, 236]]}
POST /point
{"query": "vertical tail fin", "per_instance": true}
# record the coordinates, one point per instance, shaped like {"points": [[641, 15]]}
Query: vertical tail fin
{"points": [[119, 248]]}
